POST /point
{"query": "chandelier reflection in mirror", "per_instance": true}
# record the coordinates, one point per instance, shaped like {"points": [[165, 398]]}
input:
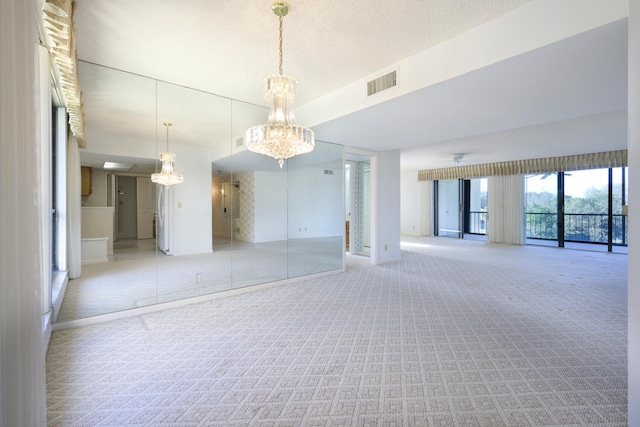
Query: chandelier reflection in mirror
{"points": [[281, 137], [167, 175]]}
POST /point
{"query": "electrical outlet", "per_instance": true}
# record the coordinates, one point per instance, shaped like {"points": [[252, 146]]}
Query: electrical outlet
{"points": [[199, 278], [385, 247]]}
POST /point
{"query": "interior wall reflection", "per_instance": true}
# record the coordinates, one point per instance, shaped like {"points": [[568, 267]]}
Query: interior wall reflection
{"points": [[230, 195], [366, 207], [220, 223], [126, 207], [316, 217], [359, 220], [202, 243]]}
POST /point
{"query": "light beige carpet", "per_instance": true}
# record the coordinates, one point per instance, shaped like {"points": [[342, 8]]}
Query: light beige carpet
{"points": [[457, 333]]}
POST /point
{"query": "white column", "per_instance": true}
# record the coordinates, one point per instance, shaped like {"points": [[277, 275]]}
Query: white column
{"points": [[385, 170]]}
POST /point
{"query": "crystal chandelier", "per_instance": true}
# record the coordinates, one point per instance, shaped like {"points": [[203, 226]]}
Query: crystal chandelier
{"points": [[167, 175], [280, 137]]}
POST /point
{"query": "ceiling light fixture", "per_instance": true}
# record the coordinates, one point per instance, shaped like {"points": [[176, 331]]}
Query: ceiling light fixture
{"points": [[118, 166], [281, 137], [167, 175]]}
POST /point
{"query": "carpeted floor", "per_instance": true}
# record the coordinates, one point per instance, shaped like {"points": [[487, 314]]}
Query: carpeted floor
{"points": [[457, 333]]}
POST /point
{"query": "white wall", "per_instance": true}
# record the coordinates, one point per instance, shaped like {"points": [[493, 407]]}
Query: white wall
{"points": [[98, 196], [98, 222], [634, 215], [416, 206], [190, 218], [386, 186], [270, 206], [316, 213], [410, 203], [23, 331]]}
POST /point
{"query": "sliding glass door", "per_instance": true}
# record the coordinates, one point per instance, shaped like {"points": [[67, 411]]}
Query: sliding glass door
{"points": [[448, 202], [461, 207], [474, 206], [578, 207], [586, 206]]}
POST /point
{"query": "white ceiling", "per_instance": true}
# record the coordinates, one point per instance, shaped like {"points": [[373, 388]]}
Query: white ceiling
{"points": [[517, 108], [226, 47]]}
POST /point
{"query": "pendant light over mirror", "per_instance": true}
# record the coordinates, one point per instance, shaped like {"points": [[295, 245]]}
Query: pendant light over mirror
{"points": [[281, 137], [167, 175]]}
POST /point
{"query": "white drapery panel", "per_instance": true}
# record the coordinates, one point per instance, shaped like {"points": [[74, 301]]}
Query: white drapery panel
{"points": [[74, 211], [608, 159], [22, 341], [506, 222]]}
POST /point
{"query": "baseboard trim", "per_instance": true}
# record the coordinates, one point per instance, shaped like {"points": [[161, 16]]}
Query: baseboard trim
{"points": [[58, 289]]}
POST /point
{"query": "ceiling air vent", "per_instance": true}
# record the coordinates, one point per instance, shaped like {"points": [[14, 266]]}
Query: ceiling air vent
{"points": [[381, 83], [328, 172]]}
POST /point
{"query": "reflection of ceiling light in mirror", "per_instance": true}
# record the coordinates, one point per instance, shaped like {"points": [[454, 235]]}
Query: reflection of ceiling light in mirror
{"points": [[117, 166], [167, 175], [281, 137]]}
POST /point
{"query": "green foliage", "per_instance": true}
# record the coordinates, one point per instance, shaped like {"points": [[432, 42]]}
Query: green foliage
{"points": [[585, 217]]}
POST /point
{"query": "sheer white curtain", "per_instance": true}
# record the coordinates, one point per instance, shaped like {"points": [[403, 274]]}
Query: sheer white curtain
{"points": [[22, 340], [74, 211], [506, 223]]}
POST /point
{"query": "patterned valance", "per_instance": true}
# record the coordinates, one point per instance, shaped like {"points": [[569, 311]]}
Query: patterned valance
{"points": [[59, 37], [608, 159]]}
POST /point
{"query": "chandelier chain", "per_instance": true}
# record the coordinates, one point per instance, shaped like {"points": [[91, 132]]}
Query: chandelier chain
{"points": [[167, 124], [280, 15], [281, 137]]}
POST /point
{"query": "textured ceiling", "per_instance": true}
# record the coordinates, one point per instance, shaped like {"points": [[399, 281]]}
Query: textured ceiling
{"points": [[522, 107], [226, 47]]}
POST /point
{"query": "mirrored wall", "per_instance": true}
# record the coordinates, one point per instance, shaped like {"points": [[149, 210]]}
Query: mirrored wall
{"points": [[237, 220]]}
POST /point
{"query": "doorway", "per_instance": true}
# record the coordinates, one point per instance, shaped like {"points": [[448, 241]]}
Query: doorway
{"points": [[358, 204], [126, 207], [448, 197], [134, 201]]}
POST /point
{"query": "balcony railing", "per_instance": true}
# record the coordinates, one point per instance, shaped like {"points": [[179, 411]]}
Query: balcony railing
{"points": [[477, 222], [578, 227]]}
